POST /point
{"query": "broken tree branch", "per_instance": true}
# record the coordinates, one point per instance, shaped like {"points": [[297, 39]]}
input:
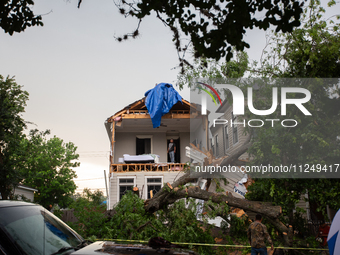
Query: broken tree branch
{"points": [[186, 178], [152, 205]]}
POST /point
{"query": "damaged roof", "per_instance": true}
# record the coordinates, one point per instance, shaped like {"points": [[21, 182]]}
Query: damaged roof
{"points": [[138, 108]]}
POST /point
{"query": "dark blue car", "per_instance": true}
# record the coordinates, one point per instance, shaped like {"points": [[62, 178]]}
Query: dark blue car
{"points": [[30, 229]]}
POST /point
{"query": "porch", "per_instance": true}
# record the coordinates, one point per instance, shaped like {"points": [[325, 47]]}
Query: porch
{"points": [[161, 167]]}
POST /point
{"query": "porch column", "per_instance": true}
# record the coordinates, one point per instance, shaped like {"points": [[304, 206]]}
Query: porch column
{"points": [[113, 142]]}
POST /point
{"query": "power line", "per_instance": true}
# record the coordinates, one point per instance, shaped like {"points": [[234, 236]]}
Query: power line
{"points": [[81, 189], [89, 179], [93, 151], [92, 155]]}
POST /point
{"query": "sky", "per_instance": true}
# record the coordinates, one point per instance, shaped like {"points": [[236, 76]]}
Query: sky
{"points": [[78, 75]]}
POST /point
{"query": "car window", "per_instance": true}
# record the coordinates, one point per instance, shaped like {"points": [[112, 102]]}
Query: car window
{"points": [[36, 230]]}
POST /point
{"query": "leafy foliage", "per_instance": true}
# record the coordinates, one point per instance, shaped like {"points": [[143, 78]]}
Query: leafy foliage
{"points": [[308, 52], [212, 70], [311, 50], [89, 211], [16, 16], [48, 167], [214, 27], [35, 161], [129, 217], [176, 223], [12, 104], [239, 227], [130, 221]]}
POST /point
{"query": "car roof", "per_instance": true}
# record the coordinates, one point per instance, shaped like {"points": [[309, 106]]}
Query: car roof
{"points": [[10, 203]]}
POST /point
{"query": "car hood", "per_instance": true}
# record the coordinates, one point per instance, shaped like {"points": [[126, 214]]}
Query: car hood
{"points": [[93, 248], [105, 247]]}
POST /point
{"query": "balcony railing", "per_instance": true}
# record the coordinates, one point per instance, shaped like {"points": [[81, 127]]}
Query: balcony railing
{"points": [[118, 168]]}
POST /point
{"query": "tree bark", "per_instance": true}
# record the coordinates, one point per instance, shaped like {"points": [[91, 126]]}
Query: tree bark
{"points": [[152, 205], [175, 191], [186, 178]]}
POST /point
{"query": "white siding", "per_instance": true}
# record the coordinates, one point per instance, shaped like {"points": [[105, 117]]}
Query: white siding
{"points": [[184, 141], [303, 205], [232, 179], [219, 130], [140, 182], [27, 193], [198, 132]]}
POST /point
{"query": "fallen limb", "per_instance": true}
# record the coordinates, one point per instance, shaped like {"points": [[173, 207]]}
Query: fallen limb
{"points": [[186, 178], [175, 191], [152, 205]]}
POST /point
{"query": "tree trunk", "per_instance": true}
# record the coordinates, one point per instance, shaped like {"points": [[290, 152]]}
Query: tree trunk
{"points": [[171, 193], [152, 205], [4, 193]]}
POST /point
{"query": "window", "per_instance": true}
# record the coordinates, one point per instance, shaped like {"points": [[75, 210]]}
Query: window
{"points": [[235, 133], [143, 146], [154, 184], [216, 146], [226, 138], [125, 184]]}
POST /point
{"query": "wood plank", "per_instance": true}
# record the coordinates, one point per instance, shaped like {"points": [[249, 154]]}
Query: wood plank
{"points": [[111, 119], [113, 140], [166, 116], [147, 167], [177, 116], [135, 116]]}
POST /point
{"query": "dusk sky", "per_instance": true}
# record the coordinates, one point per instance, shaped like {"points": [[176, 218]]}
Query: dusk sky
{"points": [[78, 75]]}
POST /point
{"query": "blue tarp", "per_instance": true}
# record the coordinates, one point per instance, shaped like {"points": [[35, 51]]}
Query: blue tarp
{"points": [[160, 100]]}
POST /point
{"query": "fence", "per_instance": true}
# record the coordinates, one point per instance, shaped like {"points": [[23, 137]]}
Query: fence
{"points": [[68, 216], [313, 228]]}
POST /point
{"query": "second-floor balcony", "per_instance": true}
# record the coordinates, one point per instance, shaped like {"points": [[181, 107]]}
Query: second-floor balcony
{"points": [[138, 167]]}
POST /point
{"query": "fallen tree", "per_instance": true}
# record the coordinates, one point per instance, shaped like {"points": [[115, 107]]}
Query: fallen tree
{"points": [[177, 190]]}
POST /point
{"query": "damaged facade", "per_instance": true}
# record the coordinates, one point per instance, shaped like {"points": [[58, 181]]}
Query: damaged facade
{"points": [[225, 140], [139, 155]]}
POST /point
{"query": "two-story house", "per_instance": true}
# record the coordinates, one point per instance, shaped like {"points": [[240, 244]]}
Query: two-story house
{"points": [[139, 157]]}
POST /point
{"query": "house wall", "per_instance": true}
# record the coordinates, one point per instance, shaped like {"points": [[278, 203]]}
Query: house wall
{"points": [[126, 144], [199, 134], [27, 193], [184, 141], [140, 182], [303, 204], [220, 131], [231, 180]]}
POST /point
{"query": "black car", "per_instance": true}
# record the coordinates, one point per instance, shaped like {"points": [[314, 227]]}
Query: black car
{"points": [[30, 229]]}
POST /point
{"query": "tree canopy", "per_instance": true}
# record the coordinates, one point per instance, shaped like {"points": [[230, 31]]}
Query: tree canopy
{"points": [[41, 163], [16, 16], [211, 27], [310, 51], [12, 104], [128, 220], [214, 27], [48, 167]]}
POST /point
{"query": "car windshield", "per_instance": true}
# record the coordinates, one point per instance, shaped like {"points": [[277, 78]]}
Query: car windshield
{"points": [[36, 230]]}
